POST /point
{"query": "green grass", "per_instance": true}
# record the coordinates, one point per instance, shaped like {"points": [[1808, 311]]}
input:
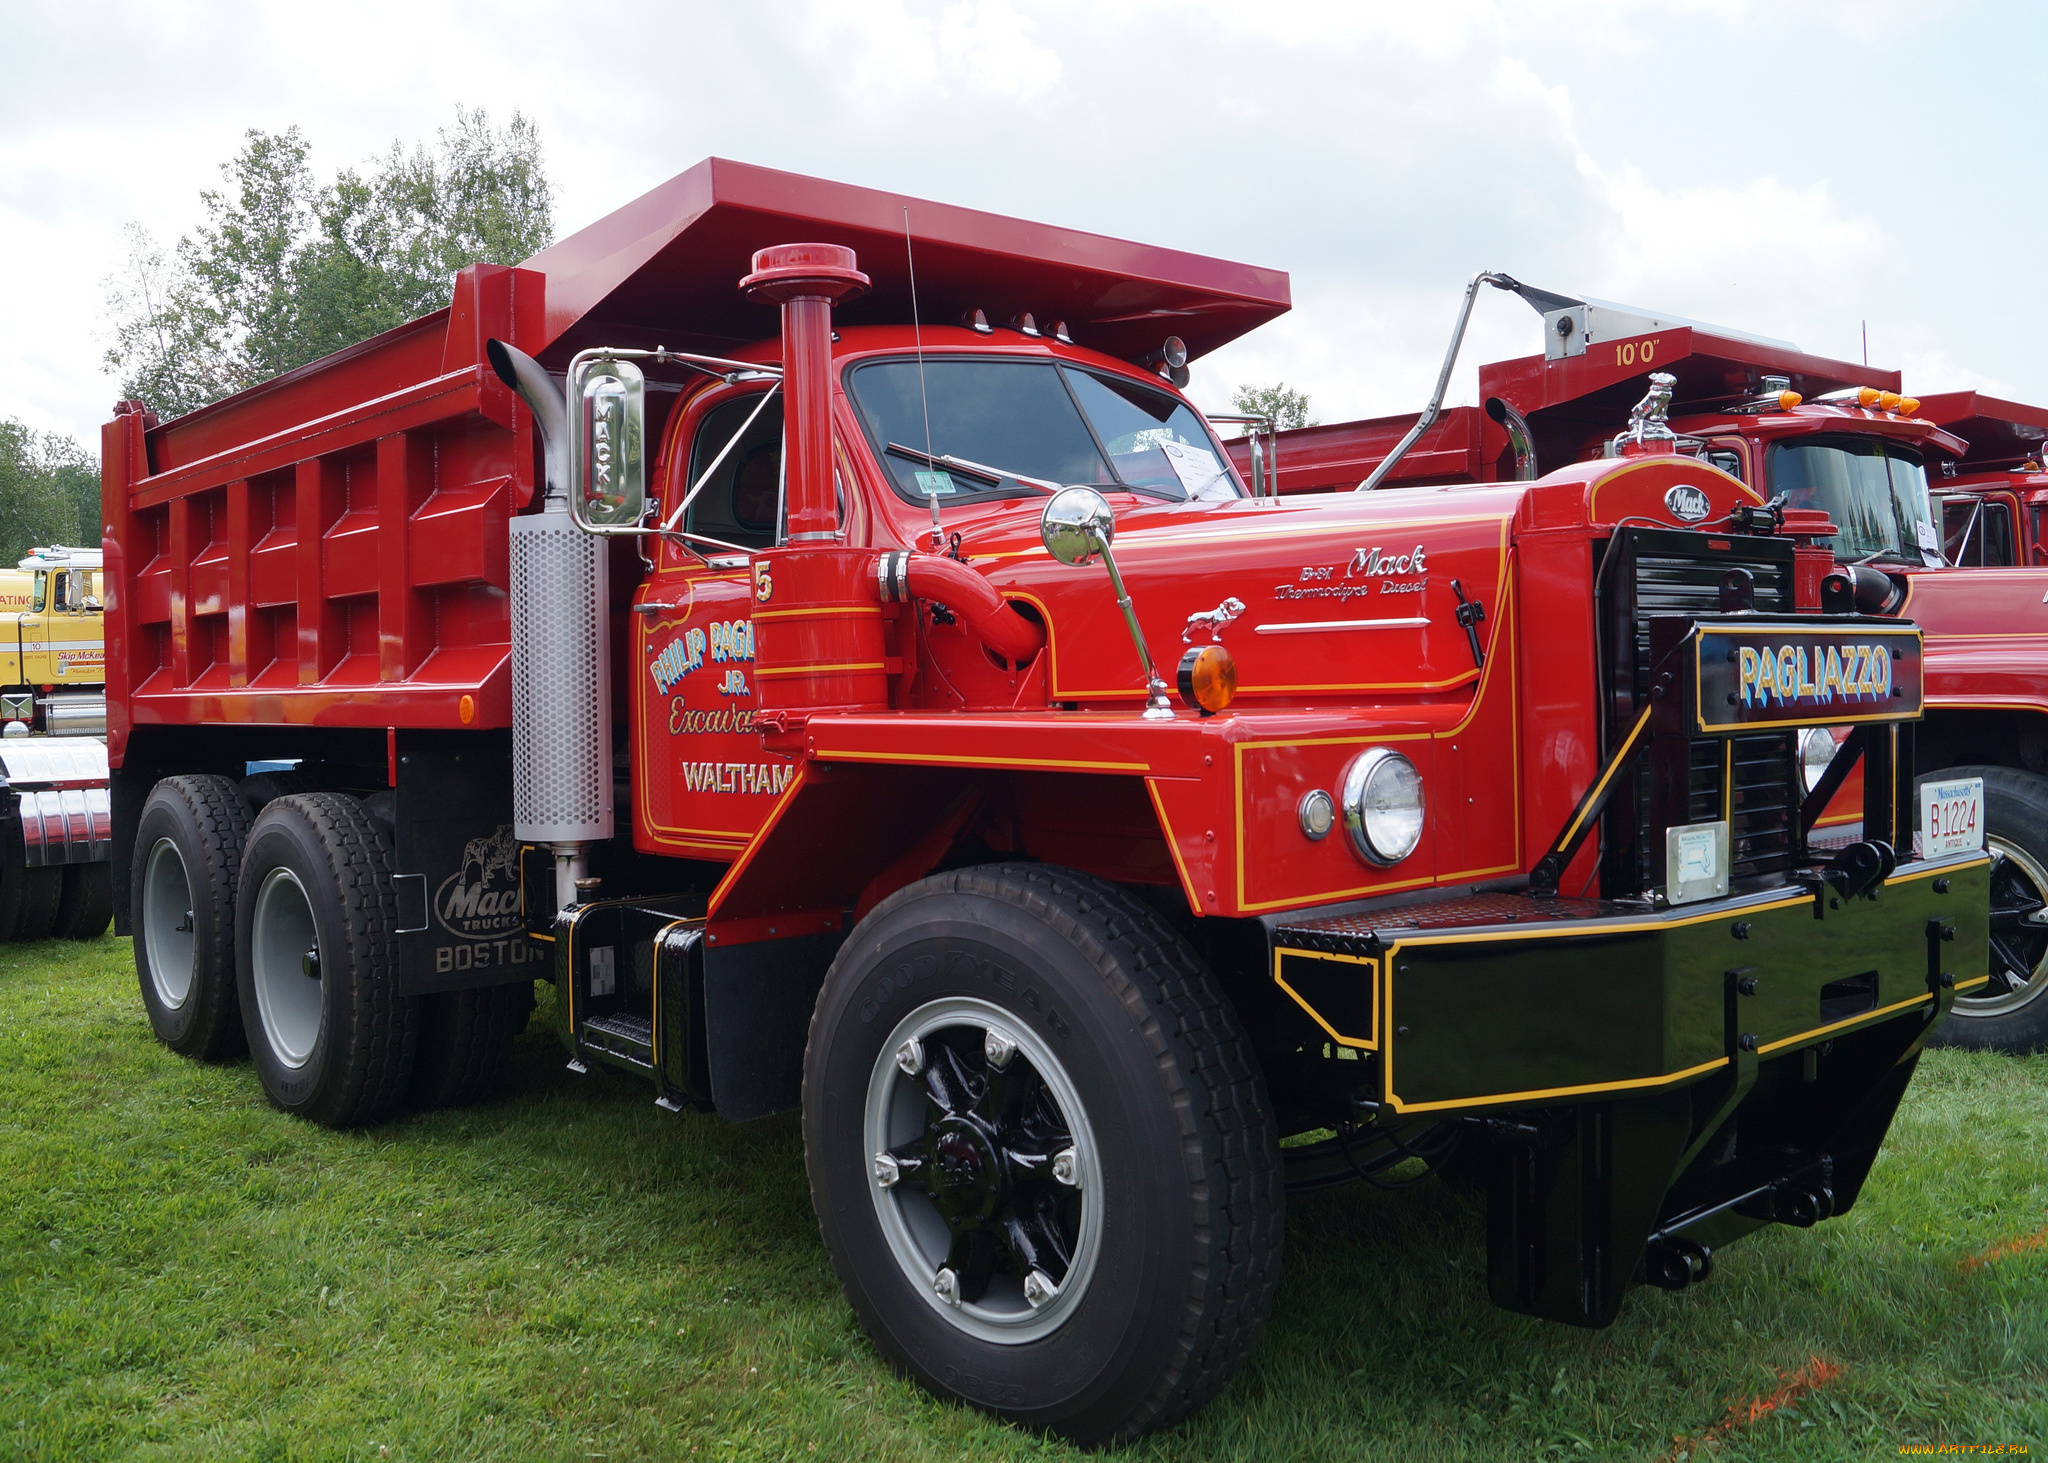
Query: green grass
{"points": [[185, 1273]]}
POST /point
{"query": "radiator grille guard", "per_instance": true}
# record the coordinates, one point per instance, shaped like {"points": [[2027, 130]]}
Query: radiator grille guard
{"points": [[1752, 778], [561, 684]]}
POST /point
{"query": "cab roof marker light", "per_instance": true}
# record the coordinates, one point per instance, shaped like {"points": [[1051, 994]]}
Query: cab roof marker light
{"points": [[977, 321], [1060, 333], [1868, 396], [1907, 405], [1024, 324], [1889, 400]]}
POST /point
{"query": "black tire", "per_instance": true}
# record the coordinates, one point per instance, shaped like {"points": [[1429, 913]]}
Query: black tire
{"points": [[42, 890], [464, 1049], [28, 896], [202, 822], [1186, 1166], [261, 789], [87, 905], [2011, 1014], [334, 1041]]}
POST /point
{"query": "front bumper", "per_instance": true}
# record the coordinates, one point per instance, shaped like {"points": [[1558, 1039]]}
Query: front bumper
{"points": [[1646, 1083]]}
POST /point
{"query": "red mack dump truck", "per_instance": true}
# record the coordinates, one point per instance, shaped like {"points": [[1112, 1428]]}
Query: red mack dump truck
{"points": [[809, 627], [1818, 437]]}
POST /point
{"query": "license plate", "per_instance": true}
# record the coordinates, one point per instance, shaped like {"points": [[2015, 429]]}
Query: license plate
{"points": [[1951, 817]]}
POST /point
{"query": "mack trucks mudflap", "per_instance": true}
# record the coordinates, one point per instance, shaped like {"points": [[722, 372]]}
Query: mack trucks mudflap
{"points": [[1848, 463], [809, 627]]}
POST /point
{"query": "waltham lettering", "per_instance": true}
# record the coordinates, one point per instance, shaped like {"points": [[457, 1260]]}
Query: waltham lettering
{"points": [[737, 777]]}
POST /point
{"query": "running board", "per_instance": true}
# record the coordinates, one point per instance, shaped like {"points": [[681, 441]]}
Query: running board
{"points": [[631, 974]]}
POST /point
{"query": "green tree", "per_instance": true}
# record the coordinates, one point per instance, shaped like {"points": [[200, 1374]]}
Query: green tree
{"points": [[1286, 406], [286, 269], [49, 492]]}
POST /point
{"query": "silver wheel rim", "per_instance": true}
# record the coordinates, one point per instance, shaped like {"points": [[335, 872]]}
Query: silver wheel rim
{"points": [[2008, 860], [917, 1234], [284, 958], [167, 936]]}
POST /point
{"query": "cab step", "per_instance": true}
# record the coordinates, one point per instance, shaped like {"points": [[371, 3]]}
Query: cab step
{"points": [[628, 1038]]}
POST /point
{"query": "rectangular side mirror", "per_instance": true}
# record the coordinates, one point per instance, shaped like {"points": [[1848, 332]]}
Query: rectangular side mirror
{"points": [[607, 443]]}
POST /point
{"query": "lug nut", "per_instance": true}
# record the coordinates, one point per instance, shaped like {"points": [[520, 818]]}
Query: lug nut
{"points": [[1066, 1167], [1039, 1288], [887, 1171], [910, 1057], [947, 1286], [998, 1048], [1747, 1041]]}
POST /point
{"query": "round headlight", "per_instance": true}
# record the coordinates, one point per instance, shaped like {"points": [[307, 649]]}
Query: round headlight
{"points": [[1383, 806], [1816, 750]]}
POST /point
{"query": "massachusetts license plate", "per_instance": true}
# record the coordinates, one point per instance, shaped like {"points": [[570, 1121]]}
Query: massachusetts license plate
{"points": [[1951, 817]]}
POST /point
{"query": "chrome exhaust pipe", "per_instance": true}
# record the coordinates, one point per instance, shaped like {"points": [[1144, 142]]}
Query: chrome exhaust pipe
{"points": [[1520, 441], [561, 661]]}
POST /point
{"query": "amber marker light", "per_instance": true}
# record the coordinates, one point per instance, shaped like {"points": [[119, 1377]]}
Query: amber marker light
{"points": [[1889, 400], [1868, 396], [1208, 679], [1789, 399], [1907, 405]]}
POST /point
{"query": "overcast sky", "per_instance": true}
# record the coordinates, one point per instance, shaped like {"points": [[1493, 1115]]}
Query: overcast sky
{"points": [[1791, 170]]}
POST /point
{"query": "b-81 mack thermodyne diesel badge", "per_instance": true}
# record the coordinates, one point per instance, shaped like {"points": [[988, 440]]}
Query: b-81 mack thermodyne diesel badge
{"points": [[1391, 572]]}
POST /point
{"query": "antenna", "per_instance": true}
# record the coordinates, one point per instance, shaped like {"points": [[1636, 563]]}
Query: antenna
{"points": [[917, 340]]}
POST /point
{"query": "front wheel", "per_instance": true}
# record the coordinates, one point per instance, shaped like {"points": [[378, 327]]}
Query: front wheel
{"points": [[2011, 1013], [1041, 1152]]}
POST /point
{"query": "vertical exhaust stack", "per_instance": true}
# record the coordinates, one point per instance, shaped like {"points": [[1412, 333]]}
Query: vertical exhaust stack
{"points": [[561, 665], [817, 622]]}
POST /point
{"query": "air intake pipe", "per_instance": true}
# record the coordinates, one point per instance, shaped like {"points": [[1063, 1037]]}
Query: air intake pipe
{"points": [[561, 655], [904, 576], [818, 641]]}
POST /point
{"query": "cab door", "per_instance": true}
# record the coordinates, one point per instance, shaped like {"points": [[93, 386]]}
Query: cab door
{"points": [[38, 665], [74, 630], [702, 782]]}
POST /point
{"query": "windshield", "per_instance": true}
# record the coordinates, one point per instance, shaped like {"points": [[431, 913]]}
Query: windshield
{"points": [[1875, 492], [1003, 426]]}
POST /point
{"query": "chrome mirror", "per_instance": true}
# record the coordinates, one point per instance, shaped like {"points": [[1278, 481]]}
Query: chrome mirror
{"points": [[1076, 525], [607, 442]]}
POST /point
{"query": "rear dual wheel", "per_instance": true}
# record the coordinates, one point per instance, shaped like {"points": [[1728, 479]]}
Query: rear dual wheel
{"points": [[316, 931], [1041, 1153]]}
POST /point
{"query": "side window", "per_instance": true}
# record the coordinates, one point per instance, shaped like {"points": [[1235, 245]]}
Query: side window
{"points": [[42, 596], [1997, 531], [1977, 533], [738, 505], [1727, 459], [2037, 547]]}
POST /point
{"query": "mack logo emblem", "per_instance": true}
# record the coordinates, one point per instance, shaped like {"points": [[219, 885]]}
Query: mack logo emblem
{"points": [[1372, 561], [1687, 503], [480, 900]]}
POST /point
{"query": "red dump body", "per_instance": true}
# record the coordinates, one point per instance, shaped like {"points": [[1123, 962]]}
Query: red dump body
{"points": [[329, 548]]}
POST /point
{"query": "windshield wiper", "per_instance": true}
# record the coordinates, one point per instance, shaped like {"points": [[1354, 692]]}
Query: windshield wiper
{"points": [[972, 469]]}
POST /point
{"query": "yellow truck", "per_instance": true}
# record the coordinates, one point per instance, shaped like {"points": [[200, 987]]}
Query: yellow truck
{"points": [[53, 658]]}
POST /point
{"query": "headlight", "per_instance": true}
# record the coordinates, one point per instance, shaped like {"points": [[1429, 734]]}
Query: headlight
{"points": [[1383, 806], [1816, 750]]}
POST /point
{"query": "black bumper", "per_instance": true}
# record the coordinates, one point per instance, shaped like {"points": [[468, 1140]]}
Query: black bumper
{"points": [[1643, 1085]]}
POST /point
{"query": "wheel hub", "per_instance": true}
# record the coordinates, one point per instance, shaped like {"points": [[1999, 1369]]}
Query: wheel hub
{"points": [[982, 1169]]}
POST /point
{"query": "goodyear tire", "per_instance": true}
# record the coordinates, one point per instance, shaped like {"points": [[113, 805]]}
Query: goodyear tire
{"points": [[2010, 1014], [317, 961], [86, 906], [187, 861], [464, 1049], [1041, 1152]]}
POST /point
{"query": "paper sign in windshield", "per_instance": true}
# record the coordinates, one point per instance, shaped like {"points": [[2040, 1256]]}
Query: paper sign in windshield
{"points": [[935, 484], [1951, 817], [1198, 470]]}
